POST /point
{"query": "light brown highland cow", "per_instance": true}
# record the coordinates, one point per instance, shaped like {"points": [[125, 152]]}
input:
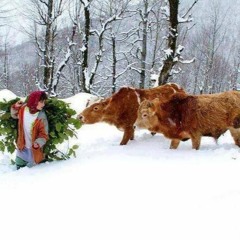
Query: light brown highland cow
{"points": [[121, 108], [180, 116]]}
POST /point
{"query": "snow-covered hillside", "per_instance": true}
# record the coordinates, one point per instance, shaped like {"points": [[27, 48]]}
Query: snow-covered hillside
{"points": [[141, 191]]}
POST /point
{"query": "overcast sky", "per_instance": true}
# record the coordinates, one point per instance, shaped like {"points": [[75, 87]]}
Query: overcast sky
{"points": [[232, 7]]}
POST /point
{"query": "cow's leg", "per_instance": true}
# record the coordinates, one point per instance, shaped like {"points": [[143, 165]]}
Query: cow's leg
{"points": [[174, 143], [235, 132], [132, 137], [196, 140], [128, 134]]}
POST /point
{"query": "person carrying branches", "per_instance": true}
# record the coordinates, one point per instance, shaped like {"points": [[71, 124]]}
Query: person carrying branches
{"points": [[32, 129]]}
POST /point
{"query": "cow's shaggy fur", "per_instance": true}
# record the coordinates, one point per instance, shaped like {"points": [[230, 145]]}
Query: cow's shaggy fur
{"points": [[180, 116], [121, 108]]}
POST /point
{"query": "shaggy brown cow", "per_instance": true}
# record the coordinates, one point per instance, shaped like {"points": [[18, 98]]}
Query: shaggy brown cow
{"points": [[181, 116], [121, 108]]}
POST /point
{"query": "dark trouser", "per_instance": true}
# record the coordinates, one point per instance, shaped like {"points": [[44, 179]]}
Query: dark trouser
{"points": [[20, 163]]}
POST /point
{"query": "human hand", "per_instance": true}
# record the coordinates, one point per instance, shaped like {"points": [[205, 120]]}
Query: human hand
{"points": [[18, 104], [35, 145]]}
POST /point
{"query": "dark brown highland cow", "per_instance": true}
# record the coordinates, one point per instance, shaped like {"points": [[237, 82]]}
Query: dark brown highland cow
{"points": [[181, 116], [121, 108]]}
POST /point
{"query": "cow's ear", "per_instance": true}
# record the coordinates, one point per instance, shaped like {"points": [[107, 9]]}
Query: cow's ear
{"points": [[156, 101], [166, 93], [105, 102], [167, 90]]}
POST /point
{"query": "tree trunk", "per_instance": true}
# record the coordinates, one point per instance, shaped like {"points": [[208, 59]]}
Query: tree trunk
{"points": [[6, 67], [85, 48], [114, 64], [169, 62], [47, 50], [144, 46]]}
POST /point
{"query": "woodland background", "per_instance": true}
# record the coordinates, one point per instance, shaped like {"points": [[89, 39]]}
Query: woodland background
{"points": [[97, 46]]}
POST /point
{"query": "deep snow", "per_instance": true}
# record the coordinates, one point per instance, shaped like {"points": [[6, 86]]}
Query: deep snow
{"points": [[141, 191]]}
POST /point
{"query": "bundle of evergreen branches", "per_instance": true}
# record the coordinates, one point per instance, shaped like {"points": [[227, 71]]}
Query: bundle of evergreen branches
{"points": [[62, 127]]}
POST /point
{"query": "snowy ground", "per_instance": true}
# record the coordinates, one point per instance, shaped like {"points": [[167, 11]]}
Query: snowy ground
{"points": [[141, 191]]}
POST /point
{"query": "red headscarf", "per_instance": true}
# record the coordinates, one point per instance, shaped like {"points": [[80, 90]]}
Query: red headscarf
{"points": [[33, 100]]}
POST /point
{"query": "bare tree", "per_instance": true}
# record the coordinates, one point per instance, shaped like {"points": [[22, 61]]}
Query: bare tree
{"points": [[5, 76], [214, 39], [213, 53], [173, 52], [146, 40], [169, 62], [4, 45], [235, 83], [114, 37], [85, 45], [44, 15], [4, 13], [62, 65], [97, 34], [144, 19]]}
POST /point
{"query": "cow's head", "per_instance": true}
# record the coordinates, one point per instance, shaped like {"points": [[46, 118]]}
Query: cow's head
{"points": [[94, 113], [147, 117]]}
